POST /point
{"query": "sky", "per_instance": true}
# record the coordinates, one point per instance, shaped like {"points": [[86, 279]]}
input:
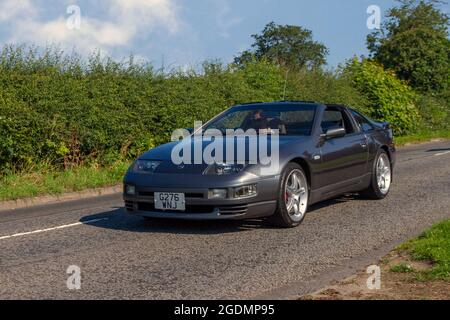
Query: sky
{"points": [[182, 33]]}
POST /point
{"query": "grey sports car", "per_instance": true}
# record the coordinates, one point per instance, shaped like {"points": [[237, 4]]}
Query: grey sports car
{"points": [[319, 152]]}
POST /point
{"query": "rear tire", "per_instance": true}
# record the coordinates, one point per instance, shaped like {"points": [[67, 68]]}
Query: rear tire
{"points": [[293, 196], [381, 177]]}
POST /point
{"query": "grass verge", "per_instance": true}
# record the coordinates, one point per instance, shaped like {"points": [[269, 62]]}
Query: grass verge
{"points": [[433, 246], [45, 181], [422, 136]]}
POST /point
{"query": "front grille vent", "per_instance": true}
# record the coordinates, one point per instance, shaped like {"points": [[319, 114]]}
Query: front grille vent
{"points": [[233, 210]]}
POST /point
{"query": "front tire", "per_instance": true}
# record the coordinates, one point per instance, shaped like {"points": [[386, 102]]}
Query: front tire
{"points": [[380, 183], [293, 196]]}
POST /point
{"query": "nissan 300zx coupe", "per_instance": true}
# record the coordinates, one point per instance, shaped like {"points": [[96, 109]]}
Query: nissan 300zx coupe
{"points": [[321, 151]]}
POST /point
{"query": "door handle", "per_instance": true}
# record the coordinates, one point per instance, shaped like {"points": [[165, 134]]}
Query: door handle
{"points": [[364, 145]]}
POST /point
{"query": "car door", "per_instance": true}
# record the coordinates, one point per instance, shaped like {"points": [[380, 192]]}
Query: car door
{"points": [[343, 159]]}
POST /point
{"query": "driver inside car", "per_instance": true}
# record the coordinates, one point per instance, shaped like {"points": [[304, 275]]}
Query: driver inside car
{"points": [[259, 122]]}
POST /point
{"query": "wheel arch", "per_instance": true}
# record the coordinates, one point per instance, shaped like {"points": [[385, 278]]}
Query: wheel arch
{"points": [[386, 148], [305, 166]]}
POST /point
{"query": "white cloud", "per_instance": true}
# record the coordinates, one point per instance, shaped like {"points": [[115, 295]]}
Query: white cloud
{"points": [[123, 21], [147, 13], [9, 9], [92, 35]]}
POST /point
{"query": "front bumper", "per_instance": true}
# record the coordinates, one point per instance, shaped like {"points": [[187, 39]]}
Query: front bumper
{"points": [[198, 206], [210, 212]]}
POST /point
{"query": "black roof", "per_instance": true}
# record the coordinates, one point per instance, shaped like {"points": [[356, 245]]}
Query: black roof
{"points": [[281, 101]]}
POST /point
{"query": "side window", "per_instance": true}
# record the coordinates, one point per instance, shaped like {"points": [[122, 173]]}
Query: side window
{"points": [[363, 123], [232, 121], [335, 119]]}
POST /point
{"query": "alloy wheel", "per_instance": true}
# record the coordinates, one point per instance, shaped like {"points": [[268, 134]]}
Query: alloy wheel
{"points": [[296, 195], [383, 173]]}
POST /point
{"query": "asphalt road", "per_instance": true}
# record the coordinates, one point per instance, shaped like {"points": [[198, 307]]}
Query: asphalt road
{"points": [[124, 257]]}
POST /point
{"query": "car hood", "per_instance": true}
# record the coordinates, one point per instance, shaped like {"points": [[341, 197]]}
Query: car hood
{"points": [[163, 153]]}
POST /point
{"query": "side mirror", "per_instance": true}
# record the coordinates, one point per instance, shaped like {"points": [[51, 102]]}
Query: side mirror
{"points": [[190, 130], [335, 133]]}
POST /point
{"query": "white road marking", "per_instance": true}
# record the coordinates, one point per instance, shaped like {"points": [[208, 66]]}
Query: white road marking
{"points": [[51, 229], [442, 153]]}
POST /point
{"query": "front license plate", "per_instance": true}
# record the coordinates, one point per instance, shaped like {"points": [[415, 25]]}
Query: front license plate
{"points": [[170, 201]]}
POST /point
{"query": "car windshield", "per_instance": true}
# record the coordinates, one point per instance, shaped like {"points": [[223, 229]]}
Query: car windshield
{"points": [[296, 119]]}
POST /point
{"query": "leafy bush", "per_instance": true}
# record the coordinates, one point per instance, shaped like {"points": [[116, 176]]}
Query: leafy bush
{"points": [[390, 99], [64, 111]]}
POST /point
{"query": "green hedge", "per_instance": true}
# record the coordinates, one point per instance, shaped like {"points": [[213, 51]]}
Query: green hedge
{"points": [[64, 111], [390, 99]]}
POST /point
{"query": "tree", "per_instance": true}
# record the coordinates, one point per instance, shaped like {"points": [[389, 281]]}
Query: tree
{"points": [[414, 43], [290, 46]]}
